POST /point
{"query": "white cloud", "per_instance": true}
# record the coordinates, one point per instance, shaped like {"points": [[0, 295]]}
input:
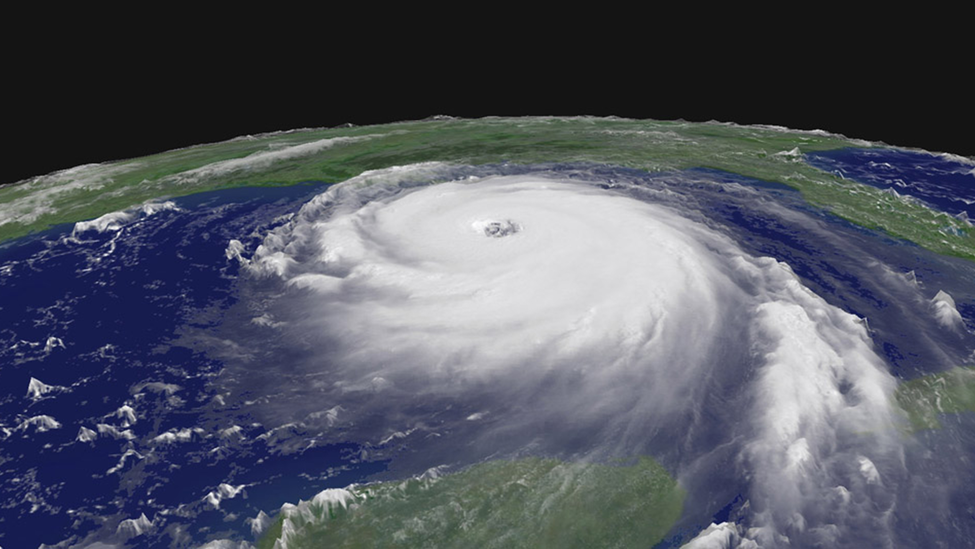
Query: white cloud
{"points": [[946, 312], [115, 432], [720, 536], [600, 312], [178, 435], [40, 424], [41, 193], [36, 389], [86, 435], [262, 159], [223, 492], [115, 221], [131, 528]]}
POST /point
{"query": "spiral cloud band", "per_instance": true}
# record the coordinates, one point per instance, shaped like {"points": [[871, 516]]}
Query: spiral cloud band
{"points": [[502, 315]]}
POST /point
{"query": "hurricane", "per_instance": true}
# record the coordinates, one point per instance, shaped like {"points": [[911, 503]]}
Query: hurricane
{"points": [[497, 333], [590, 322]]}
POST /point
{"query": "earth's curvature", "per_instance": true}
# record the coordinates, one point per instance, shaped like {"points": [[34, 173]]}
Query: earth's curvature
{"points": [[529, 332]]}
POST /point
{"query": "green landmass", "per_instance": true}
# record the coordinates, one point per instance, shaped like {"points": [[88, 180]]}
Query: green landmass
{"points": [[927, 398], [530, 503], [287, 158]]}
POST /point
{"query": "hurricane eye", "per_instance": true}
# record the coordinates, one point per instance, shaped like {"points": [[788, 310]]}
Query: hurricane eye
{"points": [[497, 229]]}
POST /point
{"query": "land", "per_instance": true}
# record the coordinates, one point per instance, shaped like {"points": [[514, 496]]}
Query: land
{"points": [[531, 502], [335, 154]]}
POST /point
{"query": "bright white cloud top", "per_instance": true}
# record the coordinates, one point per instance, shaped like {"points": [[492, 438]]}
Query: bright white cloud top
{"points": [[543, 332], [599, 316]]}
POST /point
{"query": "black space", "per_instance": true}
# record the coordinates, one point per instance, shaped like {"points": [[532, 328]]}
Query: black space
{"points": [[89, 100], [72, 131]]}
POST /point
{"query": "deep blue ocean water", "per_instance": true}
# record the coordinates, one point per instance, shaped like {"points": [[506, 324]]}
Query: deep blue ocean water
{"points": [[939, 180], [124, 318], [117, 301]]}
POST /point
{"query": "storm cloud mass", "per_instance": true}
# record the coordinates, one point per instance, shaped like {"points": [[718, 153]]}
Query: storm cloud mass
{"points": [[569, 314], [502, 332]]}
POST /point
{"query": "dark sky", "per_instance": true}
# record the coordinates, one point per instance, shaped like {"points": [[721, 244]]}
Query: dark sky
{"points": [[90, 102], [68, 131]]}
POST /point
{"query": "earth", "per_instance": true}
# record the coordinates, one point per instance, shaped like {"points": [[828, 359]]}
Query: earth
{"points": [[503, 332]]}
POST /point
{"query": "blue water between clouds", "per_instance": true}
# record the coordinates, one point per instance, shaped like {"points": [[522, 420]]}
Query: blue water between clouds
{"points": [[169, 272], [172, 272], [938, 180]]}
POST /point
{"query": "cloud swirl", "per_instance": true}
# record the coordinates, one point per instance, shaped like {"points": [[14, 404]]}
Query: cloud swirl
{"points": [[531, 313]]}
